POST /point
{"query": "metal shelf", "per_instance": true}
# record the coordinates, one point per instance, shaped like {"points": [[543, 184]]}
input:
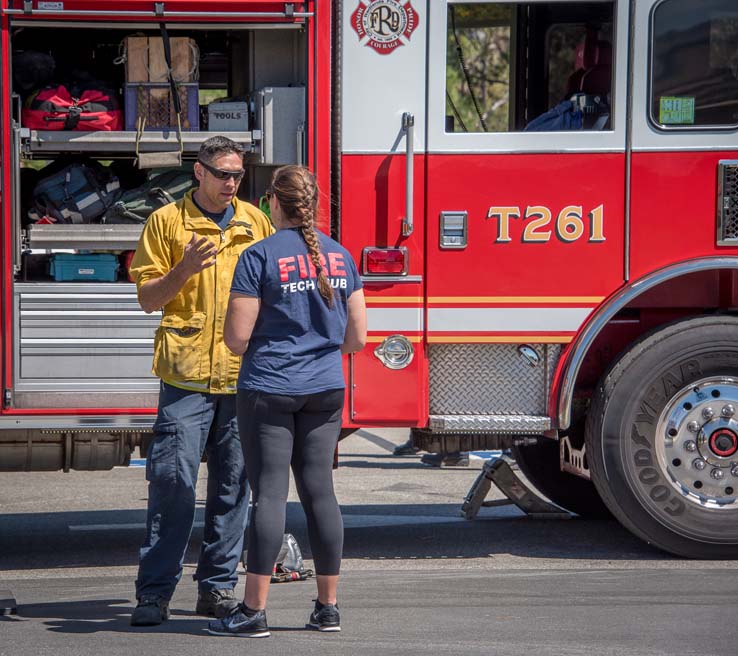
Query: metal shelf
{"points": [[112, 237], [47, 141]]}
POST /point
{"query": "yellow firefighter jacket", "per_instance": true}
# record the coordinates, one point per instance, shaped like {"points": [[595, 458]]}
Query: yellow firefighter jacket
{"points": [[189, 350]]}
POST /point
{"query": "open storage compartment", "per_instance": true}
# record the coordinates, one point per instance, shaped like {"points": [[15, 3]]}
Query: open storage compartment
{"points": [[247, 81]]}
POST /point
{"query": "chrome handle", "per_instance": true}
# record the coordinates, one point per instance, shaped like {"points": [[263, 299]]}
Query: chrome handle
{"points": [[408, 126], [15, 219], [17, 108], [300, 158]]}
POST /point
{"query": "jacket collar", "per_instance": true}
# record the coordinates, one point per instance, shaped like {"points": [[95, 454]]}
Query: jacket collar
{"points": [[239, 226], [194, 220]]}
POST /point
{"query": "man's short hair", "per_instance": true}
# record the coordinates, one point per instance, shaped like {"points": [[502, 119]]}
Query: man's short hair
{"points": [[216, 146]]}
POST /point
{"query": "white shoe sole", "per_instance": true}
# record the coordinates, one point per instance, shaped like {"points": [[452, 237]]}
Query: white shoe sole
{"points": [[324, 629], [262, 634]]}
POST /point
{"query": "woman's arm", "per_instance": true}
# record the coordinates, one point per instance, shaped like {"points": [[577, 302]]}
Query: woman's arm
{"points": [[239, 322], [356, 325]]}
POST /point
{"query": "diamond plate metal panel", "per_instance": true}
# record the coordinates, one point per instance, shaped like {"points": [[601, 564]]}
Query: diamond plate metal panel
{"points": [[489, 379], [513, 424]]}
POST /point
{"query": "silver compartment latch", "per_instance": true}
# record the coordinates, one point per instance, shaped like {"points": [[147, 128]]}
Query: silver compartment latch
{"points": [[453, 230]]}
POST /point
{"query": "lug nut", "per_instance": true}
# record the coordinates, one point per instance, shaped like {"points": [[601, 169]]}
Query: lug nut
{"points": [[717, 474], [690, 445], [734, 470], [693, 427], [699, 464], [728, 410], [708, 413]]}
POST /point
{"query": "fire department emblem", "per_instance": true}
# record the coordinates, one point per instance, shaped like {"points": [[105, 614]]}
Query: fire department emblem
{"points": [[384, 24]]}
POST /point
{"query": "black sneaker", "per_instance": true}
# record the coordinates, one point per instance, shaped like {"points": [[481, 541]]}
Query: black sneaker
{"points": [[458, 459], [405, 449], [241, 625], [218, 602], [150, 611], [325, 617]]}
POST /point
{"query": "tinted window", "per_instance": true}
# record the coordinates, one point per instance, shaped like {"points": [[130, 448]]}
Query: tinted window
{"points": [[694, 70]]}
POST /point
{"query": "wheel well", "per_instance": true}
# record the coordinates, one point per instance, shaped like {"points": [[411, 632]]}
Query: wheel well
{"points": [[687, 295]]}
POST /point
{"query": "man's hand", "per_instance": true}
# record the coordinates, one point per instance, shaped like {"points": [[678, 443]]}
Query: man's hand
{"points": [[199, 254]]}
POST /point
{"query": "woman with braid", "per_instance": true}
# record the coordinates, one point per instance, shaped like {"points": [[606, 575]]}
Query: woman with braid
{"points": [[296, 305]]}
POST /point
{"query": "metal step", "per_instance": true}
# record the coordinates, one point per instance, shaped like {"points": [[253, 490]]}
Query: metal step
{"points": [[114, 237]]}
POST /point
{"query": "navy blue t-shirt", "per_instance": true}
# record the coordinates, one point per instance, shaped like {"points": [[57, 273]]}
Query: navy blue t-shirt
{"points": [[295, 347], [221, 218]]}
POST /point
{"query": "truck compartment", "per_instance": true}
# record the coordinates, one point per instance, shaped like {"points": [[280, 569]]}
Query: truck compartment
{"points": [[80, 339]]}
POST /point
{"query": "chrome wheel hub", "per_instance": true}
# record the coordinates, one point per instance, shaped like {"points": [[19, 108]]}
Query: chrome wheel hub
{"points": [[697, 442]]}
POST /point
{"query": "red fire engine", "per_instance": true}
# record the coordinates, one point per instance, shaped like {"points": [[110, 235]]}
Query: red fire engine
{"points": [[542, 196]]}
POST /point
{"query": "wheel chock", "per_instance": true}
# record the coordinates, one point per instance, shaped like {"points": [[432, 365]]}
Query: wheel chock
{"points": [[499, 471]]}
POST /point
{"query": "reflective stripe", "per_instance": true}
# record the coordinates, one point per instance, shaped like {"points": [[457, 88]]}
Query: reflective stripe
{"points": [[506, 319], [477, 320], [395, 319]]}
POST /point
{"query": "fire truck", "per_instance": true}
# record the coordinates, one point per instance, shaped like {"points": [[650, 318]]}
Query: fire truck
{"points": [[541, 195]]}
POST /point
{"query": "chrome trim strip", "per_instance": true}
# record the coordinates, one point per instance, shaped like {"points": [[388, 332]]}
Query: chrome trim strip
{"points": [[697, 148], [575, 354], [628, 139], [390, 279], [153, 14], [533, 150], [523, 424], [61, 422], [42, 22], [352, 387]]}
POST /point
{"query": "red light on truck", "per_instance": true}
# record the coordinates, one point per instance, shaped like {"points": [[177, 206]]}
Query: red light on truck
{"points": [[377, 261]]}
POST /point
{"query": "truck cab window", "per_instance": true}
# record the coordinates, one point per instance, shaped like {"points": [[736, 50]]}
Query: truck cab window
{"points": [[512, 67], [694, 66]]}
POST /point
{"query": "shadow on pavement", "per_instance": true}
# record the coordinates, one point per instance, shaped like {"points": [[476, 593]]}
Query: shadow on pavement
{"points": [[396, 531], [112, 616]]}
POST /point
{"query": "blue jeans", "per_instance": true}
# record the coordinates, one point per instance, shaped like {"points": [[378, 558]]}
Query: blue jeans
{"points": [[188, 424]]}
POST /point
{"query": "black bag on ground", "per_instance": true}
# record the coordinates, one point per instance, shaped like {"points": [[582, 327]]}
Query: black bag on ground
{"points": [[161, 188], [77, 193]]}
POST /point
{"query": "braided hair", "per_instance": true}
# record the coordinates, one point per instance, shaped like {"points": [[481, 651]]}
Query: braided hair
{"points": [[297, 193]]}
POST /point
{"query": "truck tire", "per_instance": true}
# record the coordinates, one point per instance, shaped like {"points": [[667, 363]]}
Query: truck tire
{"points": [[540, 465], [662, 438]]}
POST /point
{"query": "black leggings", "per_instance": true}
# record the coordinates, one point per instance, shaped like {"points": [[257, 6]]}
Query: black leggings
{"points": [[302, 431]]}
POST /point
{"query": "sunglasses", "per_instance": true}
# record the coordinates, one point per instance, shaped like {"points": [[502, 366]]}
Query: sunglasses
{"points": [[220, 174]]}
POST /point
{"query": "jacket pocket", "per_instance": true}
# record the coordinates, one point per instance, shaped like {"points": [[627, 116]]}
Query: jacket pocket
{"points": [[234, 366], [178, 351]]}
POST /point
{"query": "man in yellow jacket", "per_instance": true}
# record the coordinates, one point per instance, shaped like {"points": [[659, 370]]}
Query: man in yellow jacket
{"points": [[184, 264]]}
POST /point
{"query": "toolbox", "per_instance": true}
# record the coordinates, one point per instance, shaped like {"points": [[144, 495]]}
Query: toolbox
{"points": [[228, 116], [84, 266]]}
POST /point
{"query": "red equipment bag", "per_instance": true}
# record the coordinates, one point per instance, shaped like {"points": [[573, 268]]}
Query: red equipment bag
{"points": [[54, 108]]}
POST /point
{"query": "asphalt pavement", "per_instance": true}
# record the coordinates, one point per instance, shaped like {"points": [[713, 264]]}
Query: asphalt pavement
{"points": [[416, 579]]}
